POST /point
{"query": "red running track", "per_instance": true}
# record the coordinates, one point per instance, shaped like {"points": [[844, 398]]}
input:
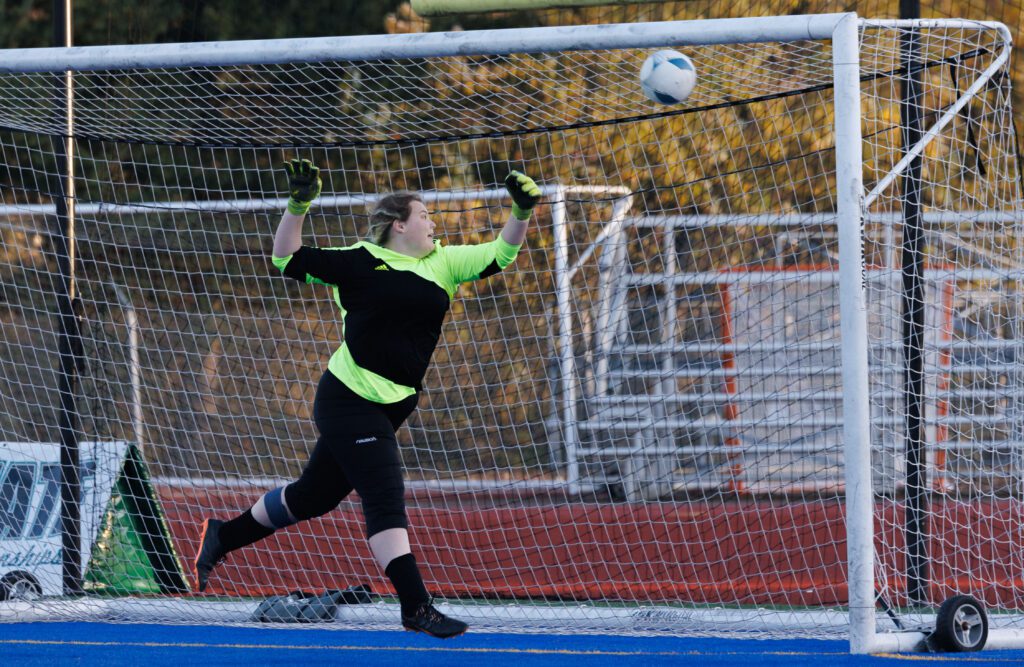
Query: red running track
{"points": [[757, 552]]}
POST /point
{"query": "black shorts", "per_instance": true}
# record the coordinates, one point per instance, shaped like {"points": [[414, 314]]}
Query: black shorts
{"points": [[357, 449], [333, 398]]}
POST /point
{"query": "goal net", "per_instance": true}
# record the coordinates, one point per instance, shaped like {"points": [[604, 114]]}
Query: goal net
{"points": [[645, 425]]}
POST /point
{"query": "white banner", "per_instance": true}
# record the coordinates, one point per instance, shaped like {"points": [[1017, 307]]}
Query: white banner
{"points": [[31, 552]]}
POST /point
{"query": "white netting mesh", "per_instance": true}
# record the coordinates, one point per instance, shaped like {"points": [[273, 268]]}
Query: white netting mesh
{"points": [[970, 263], [638, 428]]}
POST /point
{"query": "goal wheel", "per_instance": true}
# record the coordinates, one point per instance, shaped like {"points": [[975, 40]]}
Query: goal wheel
{"points": [[961, 625]]}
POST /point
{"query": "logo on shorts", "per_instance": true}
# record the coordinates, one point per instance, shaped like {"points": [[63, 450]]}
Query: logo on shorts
{"points": [[382, 267], [363, 441]]}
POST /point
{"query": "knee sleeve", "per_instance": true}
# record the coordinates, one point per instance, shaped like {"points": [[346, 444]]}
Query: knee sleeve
{"points": [[271, 511]]}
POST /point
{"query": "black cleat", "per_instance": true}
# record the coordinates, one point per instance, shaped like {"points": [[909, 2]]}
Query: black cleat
{"points": [[210, 553], [430, 621]]}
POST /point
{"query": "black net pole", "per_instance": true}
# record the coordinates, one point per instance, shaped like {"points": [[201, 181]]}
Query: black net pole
{"points": [[69, 342], [916, 519]]}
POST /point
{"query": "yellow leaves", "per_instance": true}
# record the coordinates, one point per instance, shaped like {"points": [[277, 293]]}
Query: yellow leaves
{"points": [[405, 20]]}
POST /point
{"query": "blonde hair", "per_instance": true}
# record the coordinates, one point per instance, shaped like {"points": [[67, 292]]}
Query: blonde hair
{"points": [[390, 209]]}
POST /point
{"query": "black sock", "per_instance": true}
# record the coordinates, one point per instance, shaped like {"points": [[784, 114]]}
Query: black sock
{"points": [[408, 583], [244, 529]]}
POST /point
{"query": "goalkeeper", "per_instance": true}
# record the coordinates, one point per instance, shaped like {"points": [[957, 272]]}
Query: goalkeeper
{"points": [[394, 290]]}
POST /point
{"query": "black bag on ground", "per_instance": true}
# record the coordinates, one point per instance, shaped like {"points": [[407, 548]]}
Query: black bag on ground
{"points": [[304, 607]]}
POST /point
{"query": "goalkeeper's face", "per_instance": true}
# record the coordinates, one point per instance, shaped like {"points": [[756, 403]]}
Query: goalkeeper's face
{"points": [[417, 230]]}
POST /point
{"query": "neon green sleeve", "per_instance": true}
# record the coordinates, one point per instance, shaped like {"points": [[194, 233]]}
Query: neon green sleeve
{"points": [[281, 262], [472, 262], [506, 253]]}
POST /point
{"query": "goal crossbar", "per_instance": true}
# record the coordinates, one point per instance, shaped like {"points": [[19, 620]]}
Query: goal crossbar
{"points": [[423, 45]]}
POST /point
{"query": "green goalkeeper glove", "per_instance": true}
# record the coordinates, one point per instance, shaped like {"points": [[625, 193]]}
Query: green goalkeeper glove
{"points": [[525, 194], [303, 185]]}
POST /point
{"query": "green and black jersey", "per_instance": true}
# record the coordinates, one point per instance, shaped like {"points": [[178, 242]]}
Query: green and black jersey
{"points": [[392, 306]]}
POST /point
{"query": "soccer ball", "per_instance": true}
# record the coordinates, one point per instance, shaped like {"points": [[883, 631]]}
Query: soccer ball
{"points": [[667, 77]]}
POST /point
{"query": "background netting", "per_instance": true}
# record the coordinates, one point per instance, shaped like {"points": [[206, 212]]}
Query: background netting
{"points": [[643, 415]]}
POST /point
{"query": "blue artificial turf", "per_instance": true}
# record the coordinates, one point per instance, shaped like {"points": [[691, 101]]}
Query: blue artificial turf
{"points": [[54, 644]]}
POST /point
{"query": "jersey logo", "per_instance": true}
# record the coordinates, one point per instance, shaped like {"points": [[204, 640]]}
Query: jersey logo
{"points": [[363, 441], [382, 267]]}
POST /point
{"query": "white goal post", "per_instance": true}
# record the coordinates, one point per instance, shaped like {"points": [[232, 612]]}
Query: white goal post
{"points": [[752, 374]]}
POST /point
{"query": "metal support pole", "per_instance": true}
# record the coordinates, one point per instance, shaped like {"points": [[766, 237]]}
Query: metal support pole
{"points": [[69, 340], [134, 368], [860, 549], [912, 268], [567, 355]]}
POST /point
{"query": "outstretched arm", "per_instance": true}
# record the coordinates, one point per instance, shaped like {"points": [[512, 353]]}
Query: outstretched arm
{"points": [[525, 195], [288, 238], [303, 186], [472, 262]]}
